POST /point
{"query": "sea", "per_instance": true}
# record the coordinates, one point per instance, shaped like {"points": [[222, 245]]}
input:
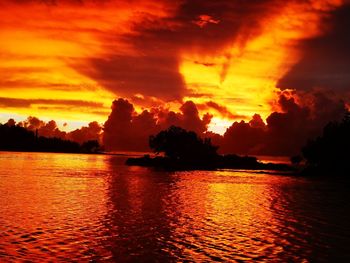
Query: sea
{"points": [[57, 207]]}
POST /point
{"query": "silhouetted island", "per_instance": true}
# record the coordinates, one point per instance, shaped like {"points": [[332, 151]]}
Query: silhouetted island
{"points": [[185, 150], [16, 138]]}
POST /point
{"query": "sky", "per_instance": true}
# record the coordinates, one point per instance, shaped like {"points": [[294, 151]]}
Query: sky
{"points": [[68, 60]]}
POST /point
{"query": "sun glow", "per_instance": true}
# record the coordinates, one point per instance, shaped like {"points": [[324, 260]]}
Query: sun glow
{"points": [[219, 125], [45, 56], [43, 50], [243, 77]]}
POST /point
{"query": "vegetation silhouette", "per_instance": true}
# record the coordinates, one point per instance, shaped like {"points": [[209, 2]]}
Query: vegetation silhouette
{"points": [[185, 150], [16, 138], [179, 144], [329, 154]]}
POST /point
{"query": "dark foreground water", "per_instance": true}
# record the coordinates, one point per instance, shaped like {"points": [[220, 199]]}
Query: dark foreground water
{"points": [[64, 207]]}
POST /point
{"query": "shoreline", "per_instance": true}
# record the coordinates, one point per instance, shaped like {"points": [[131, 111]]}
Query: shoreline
{"points": [[220, 162], [30, 151]]}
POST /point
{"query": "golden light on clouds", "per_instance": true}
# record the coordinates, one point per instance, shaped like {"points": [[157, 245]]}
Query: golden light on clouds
{"points": [[37, 48], [71, 52], [243, 77], [42, 46]]}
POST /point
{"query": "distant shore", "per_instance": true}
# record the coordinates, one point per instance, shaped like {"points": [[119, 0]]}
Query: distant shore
{"points": [[17, 138], [230, 161], [48, 151]]}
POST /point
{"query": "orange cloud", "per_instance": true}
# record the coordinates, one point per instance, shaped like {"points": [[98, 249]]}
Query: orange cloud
{"points": [[203, 20], [126, 130], [42, 43], [50, 129], [155, 53], [287, 130]]}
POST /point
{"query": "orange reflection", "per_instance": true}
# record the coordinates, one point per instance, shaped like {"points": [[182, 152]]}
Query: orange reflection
{"points": [[51, 204], [220, 215], [94, 208]]}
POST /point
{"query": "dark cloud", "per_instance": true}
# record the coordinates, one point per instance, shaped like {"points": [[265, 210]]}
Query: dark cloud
{"points": [[206, 64], [11, 122], [49, 129], [188, 118], [257, 122], [149, 67], [25, 103], [53, 2], [242, 138], [301, 117], [32, 123], [7, 82], [125, 130], [223, 111], [148, 75], [326, 59], [86, 133], [152, 68], [286, 131]]}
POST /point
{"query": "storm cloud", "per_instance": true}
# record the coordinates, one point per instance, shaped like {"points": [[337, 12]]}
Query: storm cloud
{"points": [[127, 130], [325, 62]]}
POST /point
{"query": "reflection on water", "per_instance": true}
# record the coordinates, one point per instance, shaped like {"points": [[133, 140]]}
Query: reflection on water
{"points": [[92, 207]]}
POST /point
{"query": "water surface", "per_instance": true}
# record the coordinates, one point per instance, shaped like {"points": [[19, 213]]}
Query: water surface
{"points": [[71, 207]]}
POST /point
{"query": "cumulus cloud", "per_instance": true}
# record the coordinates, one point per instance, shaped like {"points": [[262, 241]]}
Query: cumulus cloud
{"points": [[287, 130], [46, 129], [188, 118], [300, 116], [50, 129], [86, 133], [126, 130], [136, 53], [11, 122], [119, 132], [257, 122], [32, 123]]}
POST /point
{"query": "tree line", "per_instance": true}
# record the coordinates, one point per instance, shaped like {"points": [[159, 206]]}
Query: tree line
{"points": [[16, 138], [327, 154]]}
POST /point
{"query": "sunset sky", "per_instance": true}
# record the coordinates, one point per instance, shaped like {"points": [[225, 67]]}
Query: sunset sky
{"points": [[68, 60]]}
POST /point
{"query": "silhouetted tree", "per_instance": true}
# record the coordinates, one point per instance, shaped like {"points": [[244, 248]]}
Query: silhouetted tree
{"points": [[16, 138], [331, 151], [179, 144], [184, 150]]}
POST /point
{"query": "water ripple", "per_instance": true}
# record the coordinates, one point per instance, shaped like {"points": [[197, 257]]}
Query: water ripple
{"points": [[66, 208]]}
